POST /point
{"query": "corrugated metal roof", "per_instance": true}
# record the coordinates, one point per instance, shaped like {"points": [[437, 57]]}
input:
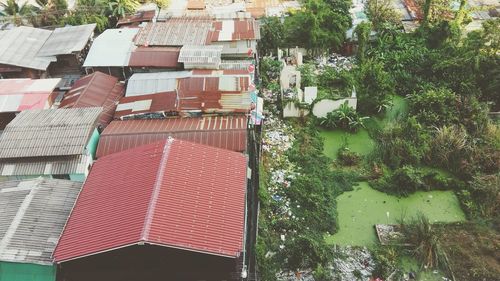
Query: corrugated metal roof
{"points": [[23, 94], [228, 132], [224, 93], [138, 17], [53, 165], [234, 30], [51, 132], [166, 57], [201, 55], [137, 105], [151, 83], [174, 32], [191, 197], [19, 47], [207, 91], [95, 90], [67, 40], [111, 48], [32, 217]]}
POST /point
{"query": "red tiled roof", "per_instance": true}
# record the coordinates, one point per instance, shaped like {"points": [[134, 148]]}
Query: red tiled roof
{"points": [[95, 90], [160, 102], [155, 57], [228, 132], [171, 193]]}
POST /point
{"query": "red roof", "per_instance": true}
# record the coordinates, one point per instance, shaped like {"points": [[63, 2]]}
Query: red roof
{"points": [[211, 94], [136, 105], [171, 193], [155, 57], [95, 90], [228, 132]]}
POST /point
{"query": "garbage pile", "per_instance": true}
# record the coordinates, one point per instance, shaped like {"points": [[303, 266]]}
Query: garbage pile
{"points": [[353, 263], [336, 61]]}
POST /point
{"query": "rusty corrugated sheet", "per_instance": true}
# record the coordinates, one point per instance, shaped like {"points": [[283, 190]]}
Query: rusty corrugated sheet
{"points": [[136, 105], [166, 57], [95, 90], [228, 132], [174, 32], [191, 197], [140, 16]]}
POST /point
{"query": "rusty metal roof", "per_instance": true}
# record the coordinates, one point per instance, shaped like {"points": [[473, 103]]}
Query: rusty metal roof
{"points": [[139, 105], [171, 193], [32, 217], [174, 32], [234, 30], [228, 132], [197, 91], [163, 57], [95, 90], [138, 17], [50, 132]]}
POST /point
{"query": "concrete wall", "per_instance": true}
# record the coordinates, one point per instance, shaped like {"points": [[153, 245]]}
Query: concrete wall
{"points": [[323, 107]]}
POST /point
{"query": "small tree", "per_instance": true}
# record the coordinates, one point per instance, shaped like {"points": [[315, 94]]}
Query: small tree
{"points": [[363, 31], [382, 12], [374, 85], [272, 32]]}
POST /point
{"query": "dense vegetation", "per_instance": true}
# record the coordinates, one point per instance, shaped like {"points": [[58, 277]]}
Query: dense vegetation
{"points": [[104, 13], [320, 25], [443, 141]]}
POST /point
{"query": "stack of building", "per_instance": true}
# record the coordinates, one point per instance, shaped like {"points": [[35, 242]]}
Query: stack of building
{"points": [[133, 157]]}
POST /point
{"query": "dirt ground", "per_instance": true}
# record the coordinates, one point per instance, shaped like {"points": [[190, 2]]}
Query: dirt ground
{"points": [[473, 251]]}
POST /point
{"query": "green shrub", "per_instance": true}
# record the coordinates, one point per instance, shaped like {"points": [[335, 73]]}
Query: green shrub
{"points": [[409, 179], [345, 118], [347, 157], [401, 143], [374, 86]]}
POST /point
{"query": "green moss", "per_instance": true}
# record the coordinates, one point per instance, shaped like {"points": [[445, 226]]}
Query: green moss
{"points": [[359, 210], [359, 142]]}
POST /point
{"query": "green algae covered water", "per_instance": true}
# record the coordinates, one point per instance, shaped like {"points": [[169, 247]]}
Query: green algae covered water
{"points": [[359, 210], [359, 142]]}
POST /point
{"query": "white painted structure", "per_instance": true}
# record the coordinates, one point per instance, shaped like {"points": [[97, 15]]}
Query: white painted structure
{"points": [[323, 107]]}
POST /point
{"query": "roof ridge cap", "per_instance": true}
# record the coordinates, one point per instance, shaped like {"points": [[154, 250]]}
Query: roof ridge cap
{"points": [[156, 190]]}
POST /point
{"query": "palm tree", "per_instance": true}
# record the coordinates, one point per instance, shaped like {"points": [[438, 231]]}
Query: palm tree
{"points": [[12, 8], [119, 8]]}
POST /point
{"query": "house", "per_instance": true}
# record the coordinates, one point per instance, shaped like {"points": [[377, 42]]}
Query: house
{"points": [[17, 95], [27, 52], [110, 52], [168, 210], [95, 90], [227, 132], [54, 143], [32, 219], [237, 36], [154, 59], [187, 93]]}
